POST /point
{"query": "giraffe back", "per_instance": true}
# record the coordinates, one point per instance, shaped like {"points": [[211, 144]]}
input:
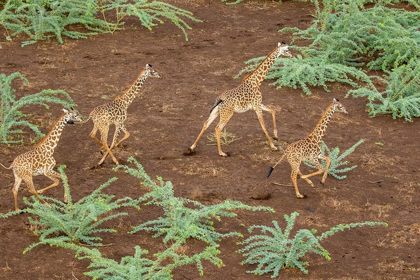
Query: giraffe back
{"points": [[109, 113], [241, 99]]}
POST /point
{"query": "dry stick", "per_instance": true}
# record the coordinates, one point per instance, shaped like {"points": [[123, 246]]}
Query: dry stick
{"points": [[278, 184], [72, 273], [104, 245]]}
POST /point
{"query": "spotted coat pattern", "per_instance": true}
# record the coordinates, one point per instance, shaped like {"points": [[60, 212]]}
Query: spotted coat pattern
{"points": [[115, 113], [309, 148], [40, 160], [246, 96]]}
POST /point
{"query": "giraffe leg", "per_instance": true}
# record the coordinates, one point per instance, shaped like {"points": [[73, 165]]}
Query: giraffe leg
{"points": [[15, 190], [223, 121], [306, 179], [116, 134], [127, 134], [206, 125], [30, 184], [324, 177], [54, 176], [117, 131], [260, 118], [320, 170], [104, 138], [93, 136], [293, 176], [273, 113]]}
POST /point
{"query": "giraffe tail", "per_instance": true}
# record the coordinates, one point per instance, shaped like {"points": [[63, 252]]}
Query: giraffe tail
{"points": [[218, 101], [10, 167], [272, 167]]}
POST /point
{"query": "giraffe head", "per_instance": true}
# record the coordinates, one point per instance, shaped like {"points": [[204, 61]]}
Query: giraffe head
{"points": [[338, 107], [151, 71], [71, 116], [283, 49]]}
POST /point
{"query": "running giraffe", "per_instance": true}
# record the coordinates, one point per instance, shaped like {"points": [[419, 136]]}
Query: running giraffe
{"points": [[309, 148], [115, 112], [245, 97], [40, 160]]}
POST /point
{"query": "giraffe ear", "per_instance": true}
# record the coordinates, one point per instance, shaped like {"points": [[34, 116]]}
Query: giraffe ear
{"points": [[65, 111], [335, 100]]}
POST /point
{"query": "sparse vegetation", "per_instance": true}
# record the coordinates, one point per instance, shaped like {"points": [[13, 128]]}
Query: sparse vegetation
{"points": [[348, 38], [179, 222], [401, 98], [44, 19], [336, 160], [70, 222], [274, 249], [226, 138], [11, 118]]}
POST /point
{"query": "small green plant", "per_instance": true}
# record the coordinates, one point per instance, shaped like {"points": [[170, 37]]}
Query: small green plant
{"points": [[140, 267], [401, 98], [336, 160], [274, 249], [77, 223], [179, 222], [10, 114], [44, 19], [226, 138]]}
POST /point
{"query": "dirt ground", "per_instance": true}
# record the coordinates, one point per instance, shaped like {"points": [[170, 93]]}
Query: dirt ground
{"points": [[166, 121]]}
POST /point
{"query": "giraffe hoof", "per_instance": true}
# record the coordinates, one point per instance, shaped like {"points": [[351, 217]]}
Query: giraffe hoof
{"points": [[275, 138], [322, 183], [301, 196], [224, 154], [274, 148], [189, 152]]}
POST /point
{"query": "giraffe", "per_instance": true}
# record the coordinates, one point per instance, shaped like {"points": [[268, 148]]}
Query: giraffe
{"points": [[309, 148], [245, 97], [115, 112], [40, 160]]}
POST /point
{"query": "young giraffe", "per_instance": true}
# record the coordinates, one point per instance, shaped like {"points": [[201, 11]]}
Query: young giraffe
{"points": [[40, 161], [309, 148], [243, 98], [115, 112]]}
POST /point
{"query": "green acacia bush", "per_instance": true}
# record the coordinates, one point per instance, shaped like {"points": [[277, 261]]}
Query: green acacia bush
{"points": [[309, 71], [180, 222], [337, 160], [401, 98], [275, 249], [349, 33], [43, 19], [140, 267], [64, 223], [10, 114]]}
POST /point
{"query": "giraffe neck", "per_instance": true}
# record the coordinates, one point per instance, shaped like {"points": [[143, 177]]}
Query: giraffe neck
{"points": [[128, 96], [258, 75], [49, 143], [322, 124]]}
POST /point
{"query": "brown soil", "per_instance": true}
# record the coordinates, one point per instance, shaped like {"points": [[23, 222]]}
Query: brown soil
{"points": [[167, 119]]}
